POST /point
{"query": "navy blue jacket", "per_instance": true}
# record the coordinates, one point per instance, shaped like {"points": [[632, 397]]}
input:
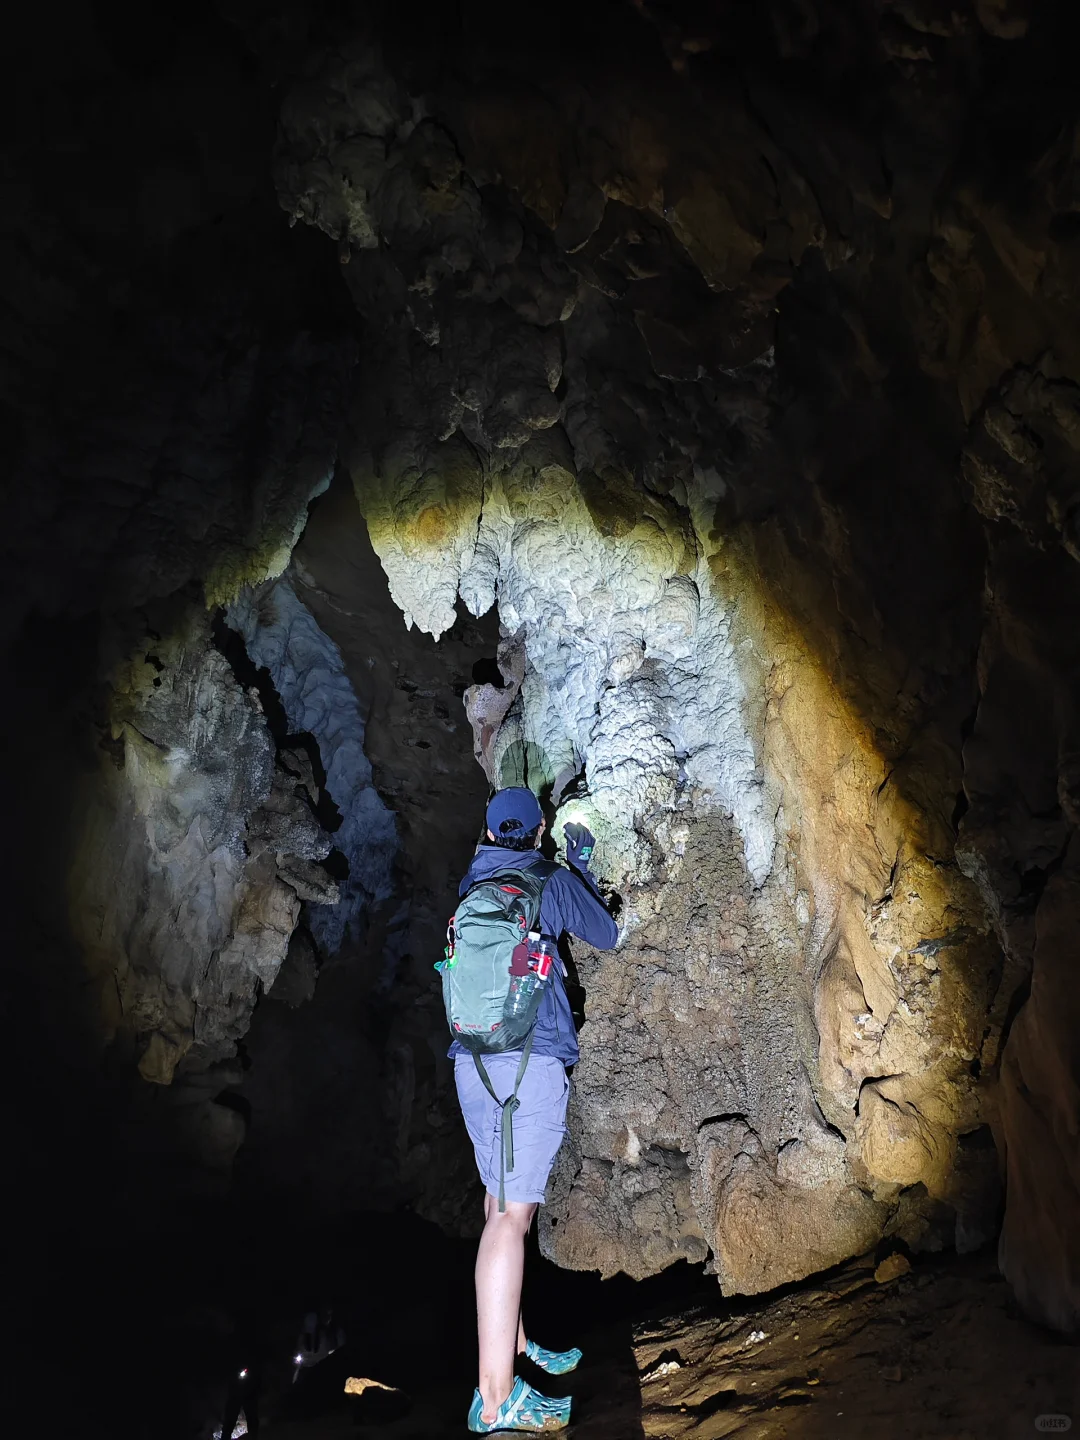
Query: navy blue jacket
{"points": [[570, 902]]}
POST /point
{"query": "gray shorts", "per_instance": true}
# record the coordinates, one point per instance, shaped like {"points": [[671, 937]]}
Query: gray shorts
{"points": [[539, 1125]]}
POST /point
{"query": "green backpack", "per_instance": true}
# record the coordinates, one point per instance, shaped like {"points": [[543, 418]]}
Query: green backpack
{"points": [[490, 993]]}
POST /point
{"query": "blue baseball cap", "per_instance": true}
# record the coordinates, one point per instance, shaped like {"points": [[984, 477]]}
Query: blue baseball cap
{"points": [[513, 811]]}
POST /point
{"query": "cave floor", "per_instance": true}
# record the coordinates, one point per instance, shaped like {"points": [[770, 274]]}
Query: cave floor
{"points": [[941, 1351]]}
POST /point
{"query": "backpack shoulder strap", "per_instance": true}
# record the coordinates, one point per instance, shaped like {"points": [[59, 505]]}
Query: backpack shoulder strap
{"points": [[535, 878], [509, 1107], [544, 869], [541, 870]]}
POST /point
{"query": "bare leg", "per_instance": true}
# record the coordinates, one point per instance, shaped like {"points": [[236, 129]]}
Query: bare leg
{"points": [[521, 1340], [500, 1264]]}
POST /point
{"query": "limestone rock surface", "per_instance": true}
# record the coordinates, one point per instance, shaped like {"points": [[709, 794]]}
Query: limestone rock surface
{"points": [[579, 406], [193, 851], [308, 674]]}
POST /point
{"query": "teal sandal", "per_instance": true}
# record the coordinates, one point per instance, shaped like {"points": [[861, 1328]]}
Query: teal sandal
{"points": [[523, 1409], [555, 1362]]}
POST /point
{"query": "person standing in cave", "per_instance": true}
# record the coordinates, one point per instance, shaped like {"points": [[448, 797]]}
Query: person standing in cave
{"points": [[570, 903], [247, 1356]]}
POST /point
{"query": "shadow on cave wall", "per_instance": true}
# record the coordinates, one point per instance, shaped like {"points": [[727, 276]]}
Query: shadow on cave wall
{"points": [[352, 1096]]}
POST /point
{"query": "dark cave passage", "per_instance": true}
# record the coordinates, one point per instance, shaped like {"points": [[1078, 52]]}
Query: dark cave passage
{"points": [[670, 409]]}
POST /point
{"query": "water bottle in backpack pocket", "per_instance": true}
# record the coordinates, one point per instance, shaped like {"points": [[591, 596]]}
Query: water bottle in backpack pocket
{"points": [[527, 987]]}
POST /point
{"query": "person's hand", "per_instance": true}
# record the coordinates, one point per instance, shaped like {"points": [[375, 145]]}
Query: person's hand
{"points": [[579, 845]]}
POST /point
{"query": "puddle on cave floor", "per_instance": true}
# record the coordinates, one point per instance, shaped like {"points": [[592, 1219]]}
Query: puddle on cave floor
{"points": [[941, 1351]]}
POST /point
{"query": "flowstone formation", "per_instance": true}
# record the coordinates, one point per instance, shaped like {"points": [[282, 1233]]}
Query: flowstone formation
{"points": [[778, 1062], [307, 672], [751, 412]]}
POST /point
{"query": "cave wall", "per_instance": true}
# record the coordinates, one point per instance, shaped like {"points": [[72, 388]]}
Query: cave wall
{"points": [[305, 667], [194, 852], [736, 368], [352, 1098], [778, 1060], [173, 364], [731, 351]]}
